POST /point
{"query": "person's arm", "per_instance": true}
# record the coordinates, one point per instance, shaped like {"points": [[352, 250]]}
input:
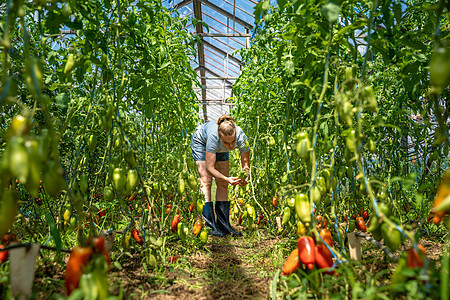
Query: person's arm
{"points": [[210, 162], [245, 162]]}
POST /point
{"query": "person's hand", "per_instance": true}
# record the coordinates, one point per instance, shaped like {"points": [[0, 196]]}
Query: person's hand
{"points": [[234, 180]]}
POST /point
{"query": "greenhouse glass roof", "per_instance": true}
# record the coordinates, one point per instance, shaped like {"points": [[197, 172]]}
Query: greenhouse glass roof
{"points": [[229, 27]]}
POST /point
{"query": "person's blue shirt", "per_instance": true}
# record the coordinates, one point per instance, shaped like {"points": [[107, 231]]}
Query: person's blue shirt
{"points": [[208, 135]]}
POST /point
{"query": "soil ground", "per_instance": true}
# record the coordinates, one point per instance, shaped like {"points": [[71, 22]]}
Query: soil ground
{"points": [[228, 268]]}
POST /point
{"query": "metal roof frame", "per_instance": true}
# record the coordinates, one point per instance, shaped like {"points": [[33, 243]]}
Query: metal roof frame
{"points": [[218, 69]]}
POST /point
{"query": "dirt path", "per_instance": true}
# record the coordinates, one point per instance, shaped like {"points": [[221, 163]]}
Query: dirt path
{"points": [[228, 268]]}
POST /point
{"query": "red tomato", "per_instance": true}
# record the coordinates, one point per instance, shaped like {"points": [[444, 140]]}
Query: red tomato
{"points": [[3, 255], [323, 257], [360, 224], [197, 227], [97, 243], [365, 215], [259, 219], [169, 207], [325, 233], [175, 221], [132, 197], [274, 201], [78, 260], [136, 236], [173, 258], [292, 263], [413, 260], [306, 249]]}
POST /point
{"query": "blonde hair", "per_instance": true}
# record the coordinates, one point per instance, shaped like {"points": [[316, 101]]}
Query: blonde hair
{"points": [[226, 125]]}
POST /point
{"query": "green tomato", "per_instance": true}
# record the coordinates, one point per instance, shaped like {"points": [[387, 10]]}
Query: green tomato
{"points": [[303, 148], [286, 215], [108, 194], [315, 194], [119, 180], [303, 208], [92, 142], [200, 206], [181, 185], [290, 202], [192, 182], [392, 237], [204, 236], [440, 69], [83, 183], [132, 180], [350, 141]]}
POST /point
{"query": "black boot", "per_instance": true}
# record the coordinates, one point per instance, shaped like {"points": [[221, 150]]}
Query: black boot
{"points": [[208, 216], [223, 218]]}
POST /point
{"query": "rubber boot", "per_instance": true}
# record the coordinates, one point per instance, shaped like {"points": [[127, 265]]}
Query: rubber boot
{"points": [[223, 218], [208, 216]]}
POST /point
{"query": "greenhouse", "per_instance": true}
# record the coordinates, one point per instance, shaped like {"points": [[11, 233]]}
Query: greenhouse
{"points": [[224, 149]]}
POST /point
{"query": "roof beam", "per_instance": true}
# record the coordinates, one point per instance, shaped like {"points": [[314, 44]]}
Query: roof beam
{"points": [[181, 4], [226, 14], [246, 35], [200, 68], [215, 87], [220, 78], [201, 52], [218, 50]]}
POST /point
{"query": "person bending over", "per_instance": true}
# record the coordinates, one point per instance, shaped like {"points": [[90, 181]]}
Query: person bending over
{"points": [[210, 145]]}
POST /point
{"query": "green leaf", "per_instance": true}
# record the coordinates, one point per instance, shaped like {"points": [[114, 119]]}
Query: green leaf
{"points": [[330, 11], [164, 65], [62, 102], [281, 4], [54, 232]]}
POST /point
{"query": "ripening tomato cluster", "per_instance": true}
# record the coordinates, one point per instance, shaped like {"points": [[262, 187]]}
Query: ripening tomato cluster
{"points": [[310, 253]]}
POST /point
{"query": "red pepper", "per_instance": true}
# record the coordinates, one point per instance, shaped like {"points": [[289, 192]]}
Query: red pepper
{"points": [[175, 221], [413, 260], [292, 263], [323, 257], [306, 251], [136, 236], [361, 224]]}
